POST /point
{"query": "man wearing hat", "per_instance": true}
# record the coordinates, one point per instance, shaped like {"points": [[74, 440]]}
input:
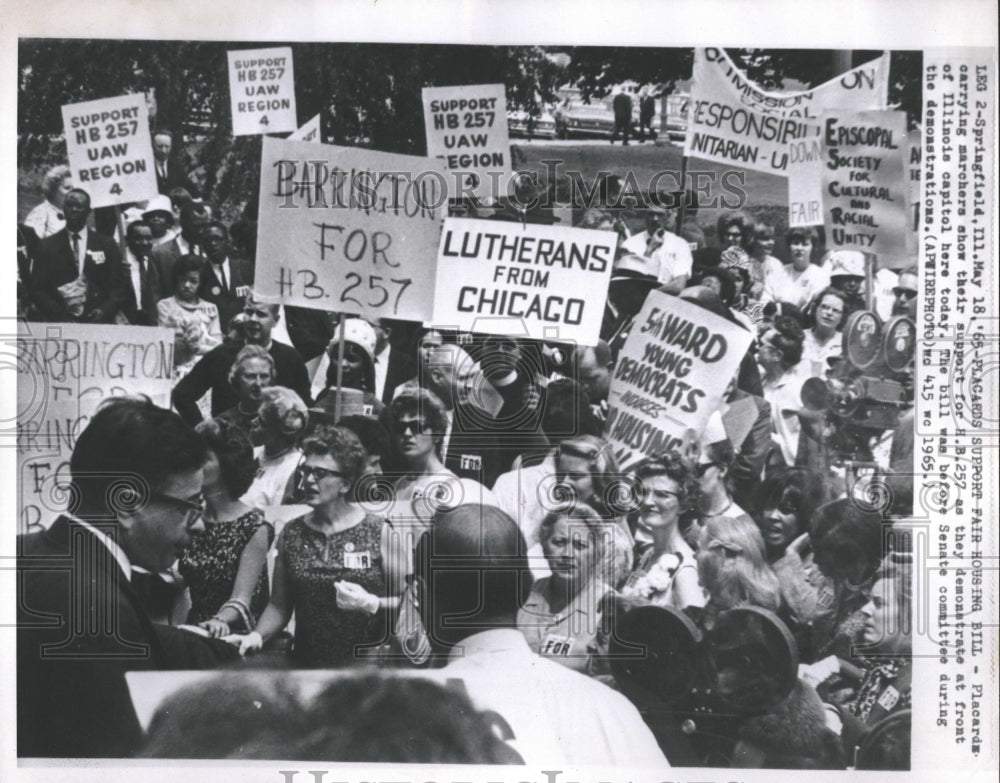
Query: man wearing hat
{"points": [[632, 278], [159, 216], [847, 275]]}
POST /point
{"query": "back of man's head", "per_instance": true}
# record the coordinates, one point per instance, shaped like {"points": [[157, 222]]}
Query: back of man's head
{"points": [[473, 562], [130, 448]]}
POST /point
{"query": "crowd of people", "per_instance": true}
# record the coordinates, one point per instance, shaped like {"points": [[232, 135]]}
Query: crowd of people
{"points": [[301, 504]]}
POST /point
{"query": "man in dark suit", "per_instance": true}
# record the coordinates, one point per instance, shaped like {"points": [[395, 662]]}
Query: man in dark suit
{"points": [[224, 282], [194, 217], [622, 106], [137, 476], [212, 370], [77, 273], [170, 172], [144, 288]]}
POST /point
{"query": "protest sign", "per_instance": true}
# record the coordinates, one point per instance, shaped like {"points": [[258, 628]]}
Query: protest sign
{"points": [[467, 127], [262, 91], [308, 132], [494, 276], [864, 184], [109, 148], [349, 229], [64, 373], [670, 376], [733, 121]]}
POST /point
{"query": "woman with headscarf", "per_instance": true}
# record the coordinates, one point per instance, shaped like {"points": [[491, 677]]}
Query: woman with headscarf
{"points": [[282, 419]]}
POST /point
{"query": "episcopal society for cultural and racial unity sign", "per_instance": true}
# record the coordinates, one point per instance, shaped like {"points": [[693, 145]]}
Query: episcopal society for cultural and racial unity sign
{"points": [[546, 282], [110, 151], [467, 128], [670, 376], [262, 91], [349, 229]]}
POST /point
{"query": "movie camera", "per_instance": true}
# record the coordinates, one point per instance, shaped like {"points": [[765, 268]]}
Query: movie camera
{"points": [[865, 391]]}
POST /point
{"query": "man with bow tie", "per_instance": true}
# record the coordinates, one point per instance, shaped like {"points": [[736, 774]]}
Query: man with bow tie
{"points": [[77, 274]]}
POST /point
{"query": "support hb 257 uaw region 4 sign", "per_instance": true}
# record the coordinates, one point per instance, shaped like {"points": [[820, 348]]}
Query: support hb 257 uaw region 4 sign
{"points": [[109, 149], [500, 277], [262, 91], [467, 128]]}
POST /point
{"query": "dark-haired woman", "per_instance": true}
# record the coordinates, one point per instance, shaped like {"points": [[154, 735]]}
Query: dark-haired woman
{"points": [[329, 565], [225, 568], [780, 350], [798, 282]]}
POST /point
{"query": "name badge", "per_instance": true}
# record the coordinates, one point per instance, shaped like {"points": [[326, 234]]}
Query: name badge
{"points": [[97, 256], [242, 291], [557, 646], [369, 410], [216, 290], [889, 698], [357, 560], [471, 461]]}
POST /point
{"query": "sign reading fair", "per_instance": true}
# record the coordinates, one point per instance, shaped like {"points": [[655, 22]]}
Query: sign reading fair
{"points": [[349, 229], [467, 127], [64, 373], [109, 149], [865, 185], [549, 280], [671, 374], [262, 91]]}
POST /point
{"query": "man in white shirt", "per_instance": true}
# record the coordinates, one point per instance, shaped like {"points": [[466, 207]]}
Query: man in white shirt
{"points": [[139, 304], [472, 562]]}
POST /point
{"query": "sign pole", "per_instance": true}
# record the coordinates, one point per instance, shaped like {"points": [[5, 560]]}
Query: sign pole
{"points": [[120, 219], [340, 369], [683, 210]]}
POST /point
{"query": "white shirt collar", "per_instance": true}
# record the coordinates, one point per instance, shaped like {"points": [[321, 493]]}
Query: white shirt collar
{"points": [[119, 554], [495, 640]]}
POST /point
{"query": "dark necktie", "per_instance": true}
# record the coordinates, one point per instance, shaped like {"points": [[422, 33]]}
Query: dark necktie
{"points": [[76, 249], [222, 277], [143, 284]]}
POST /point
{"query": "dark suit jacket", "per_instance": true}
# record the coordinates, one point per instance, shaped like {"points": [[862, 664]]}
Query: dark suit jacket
{"points": [[177, 177], [152, 291], [81, 626], [163, 258], [229, 298], [212, 372], [55, 265]]}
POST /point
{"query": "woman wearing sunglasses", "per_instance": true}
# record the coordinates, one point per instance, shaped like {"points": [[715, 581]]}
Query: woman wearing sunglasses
{"points": [[329, 566], [418, 426], [224, 569], [665, 572]]}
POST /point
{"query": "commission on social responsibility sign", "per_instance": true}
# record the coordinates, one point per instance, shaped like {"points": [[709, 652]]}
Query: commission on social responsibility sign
{"points": [[262, 91], [865, 187], [348, 229], [734, 121], [109, 149], [671, 374], [467, 128], [65, 371], [503, 277]]}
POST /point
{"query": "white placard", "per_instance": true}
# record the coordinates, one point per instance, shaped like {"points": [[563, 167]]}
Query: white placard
{"points": [[262, 91], [109, 148]]}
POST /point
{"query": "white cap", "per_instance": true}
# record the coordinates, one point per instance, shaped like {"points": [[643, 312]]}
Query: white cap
{"points": [[846, 263]]}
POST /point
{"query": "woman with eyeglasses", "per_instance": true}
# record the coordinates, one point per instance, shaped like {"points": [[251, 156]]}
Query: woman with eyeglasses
{"points": [[225, 568], [329, 566], [418, 425], [778, 354], [665, 571], [712, 471], [824, 340]]}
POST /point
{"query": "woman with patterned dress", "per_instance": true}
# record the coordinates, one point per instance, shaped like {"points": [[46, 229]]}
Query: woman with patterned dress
{"points": [[225, 567], [329, 566]]}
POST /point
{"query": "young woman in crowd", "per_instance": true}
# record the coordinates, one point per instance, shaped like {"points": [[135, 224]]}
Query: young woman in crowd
{"points": [[329, 566], [665, 571], [251, 373], [357, 362], [798, 282], [281, 422], [824, 340], [225, 568], [760, 248], [778, 353], [195, 322], [562, 616]]}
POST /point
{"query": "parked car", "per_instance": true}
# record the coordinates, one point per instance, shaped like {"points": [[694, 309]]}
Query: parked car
{"points": [[574, 117], [521, 123]]}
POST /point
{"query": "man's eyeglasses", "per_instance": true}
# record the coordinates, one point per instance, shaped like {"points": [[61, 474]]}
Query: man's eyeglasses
{"points": [[194, 507], [909, 293], [416, 426], [311, 471]]}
